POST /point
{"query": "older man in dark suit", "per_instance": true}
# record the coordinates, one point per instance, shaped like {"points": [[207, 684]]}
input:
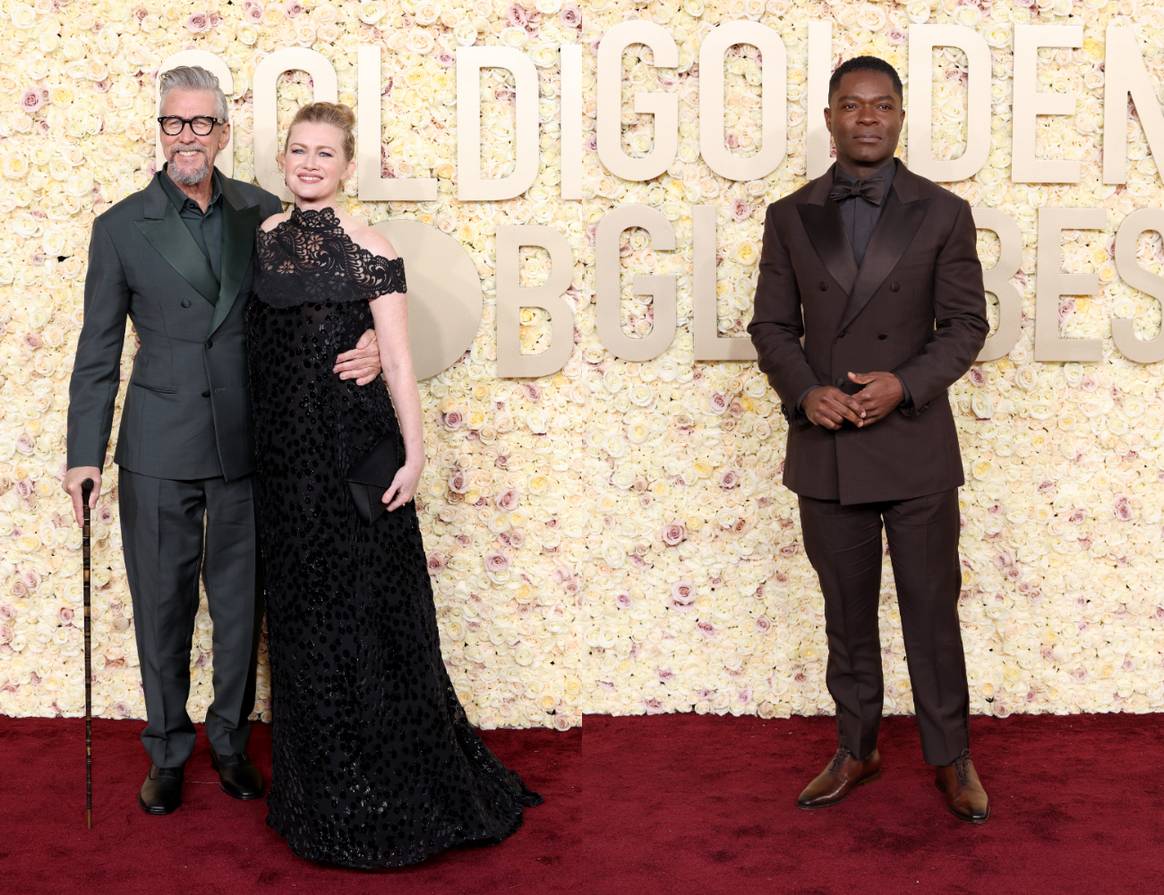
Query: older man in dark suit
{"points": [[869, 306], [176, 259]]}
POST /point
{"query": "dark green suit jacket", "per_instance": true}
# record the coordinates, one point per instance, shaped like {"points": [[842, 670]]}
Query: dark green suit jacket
{"points": [[186, 413]]}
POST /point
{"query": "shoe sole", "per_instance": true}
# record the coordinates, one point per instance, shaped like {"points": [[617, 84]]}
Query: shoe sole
{"points": [[860, 782], [157, 812], [247, 797]]}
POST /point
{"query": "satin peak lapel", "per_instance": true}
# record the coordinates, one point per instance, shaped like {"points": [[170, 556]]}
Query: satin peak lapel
{"points": [[174, 243], [823, 225], [892, 236], [238, 243]]}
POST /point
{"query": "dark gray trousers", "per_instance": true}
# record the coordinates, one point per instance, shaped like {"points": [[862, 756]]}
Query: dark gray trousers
{"points": [[843, 544], [171, 532]]}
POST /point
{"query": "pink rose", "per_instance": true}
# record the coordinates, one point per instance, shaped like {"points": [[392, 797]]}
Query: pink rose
{"points": [[436, 562], [496, 562], [707, 628], [517, 16], [674, 534], [514, 538], [508, 500], [623, 600], [571, 16], [254, 11], [452, 420], [683, 593], [1123, 509], [741, 210], [198, 23], [459, 482], [33, 99], [719, 403], [730, 479], [292, 8]]}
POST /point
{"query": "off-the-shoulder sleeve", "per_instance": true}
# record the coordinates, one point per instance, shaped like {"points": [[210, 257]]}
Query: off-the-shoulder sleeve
{"points": [[378, 276]]}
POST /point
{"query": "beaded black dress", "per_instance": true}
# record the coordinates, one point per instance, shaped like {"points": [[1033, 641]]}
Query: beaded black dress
{"points": [[374, 763]]}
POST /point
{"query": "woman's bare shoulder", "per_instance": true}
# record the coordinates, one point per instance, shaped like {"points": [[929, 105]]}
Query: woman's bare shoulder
{"points": [[371, 239]]}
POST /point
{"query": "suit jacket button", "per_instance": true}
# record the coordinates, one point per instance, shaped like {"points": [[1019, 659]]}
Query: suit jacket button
{"points": [[824, 286], [842, 333], [882, 336], [841, 382], [185, 302], [895, 286], [206, 394], [210, 343]]}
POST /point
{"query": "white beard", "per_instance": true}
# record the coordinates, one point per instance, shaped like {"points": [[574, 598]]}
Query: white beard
{"points": [[189, 177]]}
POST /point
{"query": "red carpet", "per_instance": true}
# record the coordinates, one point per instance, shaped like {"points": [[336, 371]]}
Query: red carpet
{"points": [[696, 804], [214, 845], [671, 804]]}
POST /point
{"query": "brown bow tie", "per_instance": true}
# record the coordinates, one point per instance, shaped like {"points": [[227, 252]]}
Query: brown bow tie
{"points": [[871, 189]]}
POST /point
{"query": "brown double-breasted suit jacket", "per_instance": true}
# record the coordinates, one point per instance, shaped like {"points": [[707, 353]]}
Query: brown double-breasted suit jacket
{"points": [[915, 307]]}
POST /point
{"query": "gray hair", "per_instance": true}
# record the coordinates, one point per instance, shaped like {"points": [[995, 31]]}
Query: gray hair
{"points": [[191, 77]]}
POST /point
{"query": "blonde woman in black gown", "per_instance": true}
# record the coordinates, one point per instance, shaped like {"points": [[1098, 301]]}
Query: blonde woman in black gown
{"points": [[374, 761]]}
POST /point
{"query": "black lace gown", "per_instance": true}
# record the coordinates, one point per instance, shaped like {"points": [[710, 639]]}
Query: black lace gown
{"points": [[374, 762]]}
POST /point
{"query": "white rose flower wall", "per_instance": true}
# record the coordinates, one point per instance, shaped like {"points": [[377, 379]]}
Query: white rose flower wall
{"points": [[611, 536]]}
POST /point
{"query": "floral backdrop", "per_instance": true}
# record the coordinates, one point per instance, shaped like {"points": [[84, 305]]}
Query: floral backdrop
{"points": [[613, 538]]}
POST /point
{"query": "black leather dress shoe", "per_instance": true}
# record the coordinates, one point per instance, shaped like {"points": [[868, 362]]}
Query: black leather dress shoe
{"points": [[237, 776], [162, 791]]}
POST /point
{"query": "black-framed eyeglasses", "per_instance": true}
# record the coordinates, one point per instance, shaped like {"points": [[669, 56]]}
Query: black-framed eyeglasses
{"points": [[201, 125]]}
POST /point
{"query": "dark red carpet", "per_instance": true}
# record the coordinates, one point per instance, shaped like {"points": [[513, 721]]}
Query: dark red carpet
{"points": [[697, 804], [214, 845], [672, 804]]}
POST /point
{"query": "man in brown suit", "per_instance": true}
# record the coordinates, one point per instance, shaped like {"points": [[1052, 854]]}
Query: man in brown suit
{"points": [[876, 269]]}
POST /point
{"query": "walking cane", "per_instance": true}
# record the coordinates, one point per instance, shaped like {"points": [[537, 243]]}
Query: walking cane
{"points": [[86, 566]]}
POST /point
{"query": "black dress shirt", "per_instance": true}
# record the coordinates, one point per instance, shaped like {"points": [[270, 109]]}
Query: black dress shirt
{"points": [[859, 217], [205, 227]]}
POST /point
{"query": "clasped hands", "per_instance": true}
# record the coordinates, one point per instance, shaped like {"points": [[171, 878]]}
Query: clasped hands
{"points": [[829, 407]]}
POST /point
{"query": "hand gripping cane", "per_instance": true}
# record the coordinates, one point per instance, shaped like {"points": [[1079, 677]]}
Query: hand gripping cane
{"points": [[86, 566]]}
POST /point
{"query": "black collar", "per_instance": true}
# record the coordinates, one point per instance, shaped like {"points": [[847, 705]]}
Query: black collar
{"points": [[179, 198]]}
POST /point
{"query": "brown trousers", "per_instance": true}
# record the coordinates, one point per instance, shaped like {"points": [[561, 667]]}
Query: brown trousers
{"points": [[844, 545]]}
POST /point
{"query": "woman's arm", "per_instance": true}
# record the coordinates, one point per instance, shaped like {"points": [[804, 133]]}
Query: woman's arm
{"points": [[390, 315]]}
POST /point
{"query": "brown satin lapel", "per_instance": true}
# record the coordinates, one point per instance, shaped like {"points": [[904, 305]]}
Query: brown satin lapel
{"points": [[822, 223], [892, 236]]}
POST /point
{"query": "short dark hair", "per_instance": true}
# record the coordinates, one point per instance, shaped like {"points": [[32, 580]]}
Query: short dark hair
{"points": [[865, 63]]}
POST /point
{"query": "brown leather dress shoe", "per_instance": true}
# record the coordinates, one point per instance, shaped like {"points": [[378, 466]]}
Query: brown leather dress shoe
{"points": [[835, 782], [965, 796]]}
